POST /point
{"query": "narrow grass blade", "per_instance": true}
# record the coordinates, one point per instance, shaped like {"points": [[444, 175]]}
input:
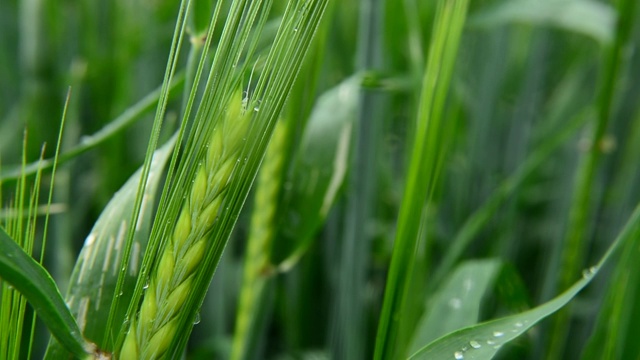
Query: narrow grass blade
{"points": [[483, 341], [130, 116], [591, 18], [93, 281], [618, 322], [33, 281], [426, 161], [615, 331]]}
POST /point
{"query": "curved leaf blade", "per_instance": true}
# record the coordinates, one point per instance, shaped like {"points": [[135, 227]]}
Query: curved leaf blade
{"points": [[37, 286], [321, 164], [591, 18], [88, 142], [457, 304], [483, 341], [94, 278]]}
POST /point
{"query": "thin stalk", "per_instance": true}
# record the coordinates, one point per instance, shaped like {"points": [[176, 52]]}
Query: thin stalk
{"points": [[583, 205], [48, 206], [424, 170], [153, 144], [348, 336], [88, 142]]}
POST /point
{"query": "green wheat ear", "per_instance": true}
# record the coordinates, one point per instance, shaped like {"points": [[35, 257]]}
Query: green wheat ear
{"points": [[152, 330]]}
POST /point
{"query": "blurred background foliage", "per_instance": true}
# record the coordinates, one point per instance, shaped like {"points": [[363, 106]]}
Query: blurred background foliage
{"points": [[525, 75]]}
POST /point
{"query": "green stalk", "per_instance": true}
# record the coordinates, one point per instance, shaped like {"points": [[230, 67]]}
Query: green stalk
{"points": [[424, 170], [574, 246], [349, 338]]}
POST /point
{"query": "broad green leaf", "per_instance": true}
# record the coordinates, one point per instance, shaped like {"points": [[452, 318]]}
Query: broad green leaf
{"points": [[457, 304], [93, 281], [591, 18], [321, 164], [34, 282], [483, 341]]}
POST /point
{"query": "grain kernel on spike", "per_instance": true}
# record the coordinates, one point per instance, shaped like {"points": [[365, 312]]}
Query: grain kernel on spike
{"points": [[193, 256], [198, 190], [183, 229]]}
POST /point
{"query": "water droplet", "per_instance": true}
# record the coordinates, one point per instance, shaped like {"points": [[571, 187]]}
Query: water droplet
{"points": [[196, 321], [256, 109], [518, 324], [474, 344], [498, 333], [458, 355], [467, 284], [295, 29], [587, 273], [146, 286], [455, 303], [491, 342]]}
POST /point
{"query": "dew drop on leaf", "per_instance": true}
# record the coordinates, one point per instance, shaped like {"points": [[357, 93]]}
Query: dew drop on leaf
{"points": [[455, 303], [458, 355]]}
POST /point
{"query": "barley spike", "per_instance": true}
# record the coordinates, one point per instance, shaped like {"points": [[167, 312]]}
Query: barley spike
{"points": [[153, 329]]}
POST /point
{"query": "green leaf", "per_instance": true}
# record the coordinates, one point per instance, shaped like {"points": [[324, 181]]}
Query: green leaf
{"points": [[433, 135], [591, 18], [321, 164], [34, 282], [618, 323], [93, 281], [483, 341], [457, 304]]}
